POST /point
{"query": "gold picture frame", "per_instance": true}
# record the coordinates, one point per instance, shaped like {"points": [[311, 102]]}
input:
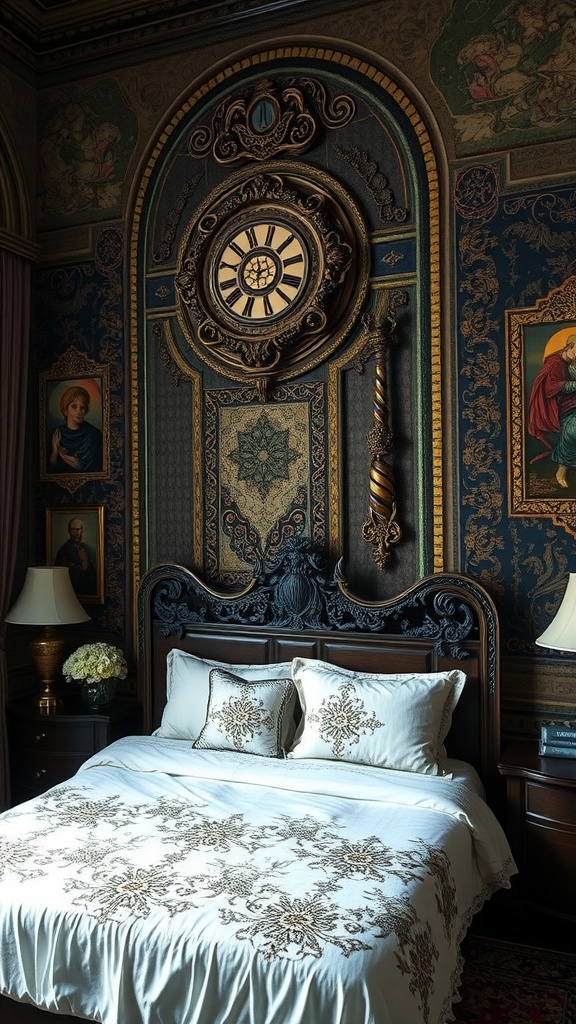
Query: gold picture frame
{"points": [[75, 538], [542, 473], [74, 445]]}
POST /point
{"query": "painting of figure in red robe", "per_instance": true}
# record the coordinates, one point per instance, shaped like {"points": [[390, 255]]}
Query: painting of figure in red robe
{"points": [[550, 360]]}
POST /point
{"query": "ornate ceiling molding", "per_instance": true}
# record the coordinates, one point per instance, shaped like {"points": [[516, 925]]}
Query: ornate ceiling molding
{"points": [[52, 36]]}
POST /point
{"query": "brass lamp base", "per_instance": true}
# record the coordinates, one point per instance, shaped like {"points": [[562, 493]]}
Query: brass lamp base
{"points": [[48, 652]]}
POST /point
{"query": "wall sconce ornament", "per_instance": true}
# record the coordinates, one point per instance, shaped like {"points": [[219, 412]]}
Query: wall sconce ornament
{"points": [[381, 529], [272, 273], [274, 118]]}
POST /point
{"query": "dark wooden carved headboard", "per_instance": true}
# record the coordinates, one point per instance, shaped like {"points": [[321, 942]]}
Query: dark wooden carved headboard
{"points": [[296, 609]]}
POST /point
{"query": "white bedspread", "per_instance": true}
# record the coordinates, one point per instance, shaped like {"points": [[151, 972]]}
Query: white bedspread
{"points": [[167, 885]]}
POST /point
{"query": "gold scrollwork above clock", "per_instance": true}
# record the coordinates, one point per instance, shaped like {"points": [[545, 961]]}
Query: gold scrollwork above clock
{"points": [[273, 118], [272, 273]]}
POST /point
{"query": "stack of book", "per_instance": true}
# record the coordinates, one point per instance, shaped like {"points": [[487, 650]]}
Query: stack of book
{"points": [[558, 741]]}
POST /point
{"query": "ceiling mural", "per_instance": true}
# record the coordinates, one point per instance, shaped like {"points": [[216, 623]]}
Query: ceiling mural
{"points": [[86, 138], [507, 71]]}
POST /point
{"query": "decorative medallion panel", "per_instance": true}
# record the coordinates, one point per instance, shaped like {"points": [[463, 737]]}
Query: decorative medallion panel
{"points": [[265, 475]]}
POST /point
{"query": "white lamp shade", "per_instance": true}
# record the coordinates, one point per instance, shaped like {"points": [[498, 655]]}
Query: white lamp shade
{"points": [[47, 599], [561, 633]]}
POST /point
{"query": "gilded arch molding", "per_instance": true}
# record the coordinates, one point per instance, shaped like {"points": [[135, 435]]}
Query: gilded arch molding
{"points": [[376, 82]]}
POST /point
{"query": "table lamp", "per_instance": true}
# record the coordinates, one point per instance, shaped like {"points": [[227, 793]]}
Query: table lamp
{"points": [[47, 599], [560, 635]]}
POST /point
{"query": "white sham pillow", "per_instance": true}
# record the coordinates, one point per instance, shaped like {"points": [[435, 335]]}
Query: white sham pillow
{"points": [[188, 688], [387, 720], [246, 716]]}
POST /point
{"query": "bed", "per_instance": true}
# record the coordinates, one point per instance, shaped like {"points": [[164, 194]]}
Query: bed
{"points": [[302, 834]]}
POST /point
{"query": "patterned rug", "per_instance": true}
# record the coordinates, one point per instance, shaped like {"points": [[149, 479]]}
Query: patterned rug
{"points": [[505, 983]]}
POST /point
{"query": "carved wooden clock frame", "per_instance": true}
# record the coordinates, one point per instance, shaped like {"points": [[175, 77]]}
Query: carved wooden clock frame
{"points": [[272, 272]]}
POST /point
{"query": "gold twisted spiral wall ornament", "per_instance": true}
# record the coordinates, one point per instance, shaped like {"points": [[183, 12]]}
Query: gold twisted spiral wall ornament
{"points": [[381, 529]]}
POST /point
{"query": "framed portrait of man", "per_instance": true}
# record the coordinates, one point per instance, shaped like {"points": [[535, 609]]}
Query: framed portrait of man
{"points": [[74, 421], [75, 539]]}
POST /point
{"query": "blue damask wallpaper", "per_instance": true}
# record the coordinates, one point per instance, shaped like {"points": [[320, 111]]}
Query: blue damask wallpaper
{"points": [[518, 250]]}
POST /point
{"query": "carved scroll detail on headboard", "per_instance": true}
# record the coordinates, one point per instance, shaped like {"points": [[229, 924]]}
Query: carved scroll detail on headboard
{"points": [[298, 592]]}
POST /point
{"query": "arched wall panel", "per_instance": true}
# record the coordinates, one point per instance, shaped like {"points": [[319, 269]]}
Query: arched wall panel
{"points": [[199, 426]]}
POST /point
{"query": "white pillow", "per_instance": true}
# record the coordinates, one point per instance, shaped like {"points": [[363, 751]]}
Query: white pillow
{"points": [[245, 716], [390, 721], [188, 687]]}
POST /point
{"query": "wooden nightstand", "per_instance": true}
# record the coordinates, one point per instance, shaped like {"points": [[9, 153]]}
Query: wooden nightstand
{"points": [[48, 748], [541, 795]]}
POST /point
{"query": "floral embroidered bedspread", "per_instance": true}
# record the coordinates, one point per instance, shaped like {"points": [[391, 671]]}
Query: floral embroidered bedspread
{"points": [[165, 884]]}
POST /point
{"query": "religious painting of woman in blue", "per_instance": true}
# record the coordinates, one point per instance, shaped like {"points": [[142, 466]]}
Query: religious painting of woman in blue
{"points": [[76, 441], [74, 427]]}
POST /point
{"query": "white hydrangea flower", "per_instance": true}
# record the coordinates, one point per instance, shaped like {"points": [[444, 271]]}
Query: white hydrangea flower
{"points": [[93, 662]]}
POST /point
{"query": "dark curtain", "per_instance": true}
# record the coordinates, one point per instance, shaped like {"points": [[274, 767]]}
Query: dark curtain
{"points": [[15, 304]]}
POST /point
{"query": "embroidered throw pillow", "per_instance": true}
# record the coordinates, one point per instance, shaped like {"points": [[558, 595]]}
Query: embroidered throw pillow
{"points": [[245, 716], [187, 690], [390, 721]]}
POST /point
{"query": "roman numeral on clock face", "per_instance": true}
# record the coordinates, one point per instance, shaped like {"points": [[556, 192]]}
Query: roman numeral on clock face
{"points": [[294, 259], [232, 299], [292, 280], [261, 271], [284, 245], [228, 283]]}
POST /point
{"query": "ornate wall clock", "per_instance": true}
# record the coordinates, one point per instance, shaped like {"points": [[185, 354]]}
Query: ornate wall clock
{"points": [[261, 267], [272, 272]]}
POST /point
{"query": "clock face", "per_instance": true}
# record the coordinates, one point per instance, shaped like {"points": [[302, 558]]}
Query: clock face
{"points": [[260, 270], [272, 271]]}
